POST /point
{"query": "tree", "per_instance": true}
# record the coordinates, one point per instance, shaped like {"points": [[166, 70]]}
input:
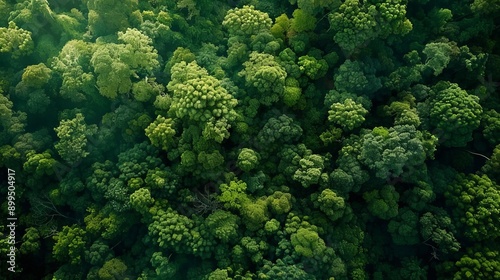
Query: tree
{"points": [[110, 17], [404, 110], [40, 164], [147, 89], [219, 274], [248, 159], [161, 133], [356, 77], [437, 228], [485, 8], [141, 200], [223, 225], [492, 166], [73, 135], [113, 269], [107, 222], [491, 123], [302, 21], [30, 242], [350, 175], [115, 64], [163, 266], [474, 202], [310, 171], [255, 214], [265, 42], [389, 152], [70, 243], [216, 129], [312, 67], [307, 243], [283, 271], [412, 268], [233, 194], [98, 253], [455, 113], [292, 93], [15, 40], [288, 59], [246, 21], [438, 56], [280, 202], [348, 115], [403, 228], [162, 179], [383, 203], [36, 76], [278, 131], [330, 203], [266, 75], [479, 262], [210, 160], [357, 23], [197, 96], [171, 230], [73, 64], [315, 6]]}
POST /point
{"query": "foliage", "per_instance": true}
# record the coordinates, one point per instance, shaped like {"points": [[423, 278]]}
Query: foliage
{"points": [[455, 113], [70, 243], [492, 166], [36, 76], [389, 152], [113, 269], [31, 241], [171, 230], [246, 21], [437, 56], [256, 139], [348, 115], [40, 164], [310, 170], [15, 40], [403, 228], [110, 17], [114, 64], [478, 262], [330, 203], [357, 23], [307, 243], [73, 64], [266, 75], [356, 77], [312, 67], [474, 200], [281, 271], [437, 227], [73, 135], [161, 132], [197, 96], [383, 203], [248, 159], [491, 123], [278, 130], [223, 225], [302, 21]]}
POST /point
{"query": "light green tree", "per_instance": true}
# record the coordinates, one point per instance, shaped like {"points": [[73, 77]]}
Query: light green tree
{"points": [[73, 135]]}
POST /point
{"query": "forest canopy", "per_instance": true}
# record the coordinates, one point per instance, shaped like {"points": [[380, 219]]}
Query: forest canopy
{"points": [[252, 139]]}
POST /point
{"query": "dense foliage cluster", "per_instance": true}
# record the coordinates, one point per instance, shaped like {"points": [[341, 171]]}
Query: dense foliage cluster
{"points": [[253, 139]]}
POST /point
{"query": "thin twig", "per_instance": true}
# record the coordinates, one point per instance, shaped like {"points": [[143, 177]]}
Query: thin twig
{"points": [[477, 154]]}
